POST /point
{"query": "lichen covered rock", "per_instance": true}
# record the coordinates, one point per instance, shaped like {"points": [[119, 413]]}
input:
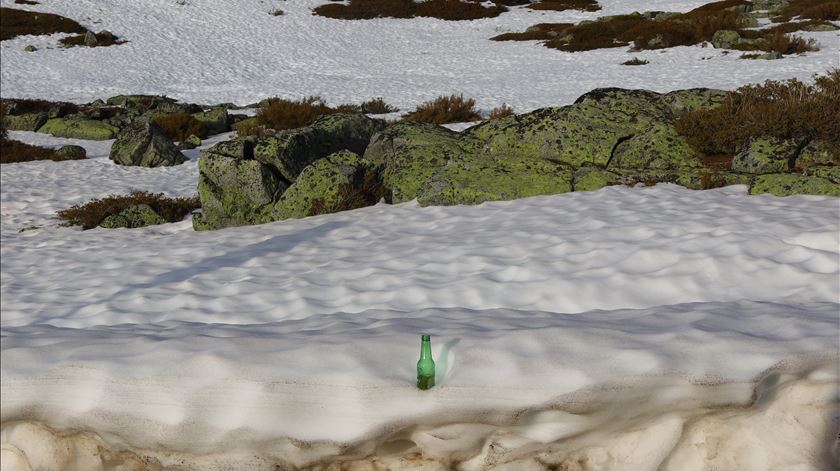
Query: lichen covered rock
{"points": [[786, 184], [765, 155], [320, 182], [290, 151], [235, 191], [818, 153], [71, 152], [25, 122], [215, 121], [144, 144], [410, 152], [77, 128], [134, 216]]}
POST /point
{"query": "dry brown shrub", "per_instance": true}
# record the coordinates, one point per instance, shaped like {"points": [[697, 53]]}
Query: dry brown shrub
{"points": [[279, 114], [452, 10], [597, 34], [827, 10], [180, 126], [794, 26], [92, 213], [635, 61], [781, 109], [501, 112], [14, 151], [561, 5], [251, 128], [445, 109], [377, 106], [14, 22]]}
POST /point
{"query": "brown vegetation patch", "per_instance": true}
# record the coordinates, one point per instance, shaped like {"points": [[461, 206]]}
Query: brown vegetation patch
{"points": [[23, 106], [445, 109], [538, 32], [781, 109], [92, 213], [561, 5], [827, 10], [14, 22], [251, 128], [635, 61], [103, 39], [377, 106], [452, 10], [367, 190], [279, 114], [793, 26], [15, 151], [180, 126], [25, 2], [501, 112]]}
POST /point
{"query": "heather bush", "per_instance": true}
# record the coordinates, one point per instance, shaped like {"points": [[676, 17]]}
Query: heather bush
{"points": [[377, 106], [14, 151], [501, 112], [781, 109], [561, 5], [826, 10], [445, 109], [452, 10], [279, 114], [92, 213], [180, 126], [250, 127], [538, 32], [14, 22]]}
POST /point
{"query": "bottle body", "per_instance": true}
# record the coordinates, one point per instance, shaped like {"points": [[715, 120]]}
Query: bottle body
{"points": [[426, 365]]}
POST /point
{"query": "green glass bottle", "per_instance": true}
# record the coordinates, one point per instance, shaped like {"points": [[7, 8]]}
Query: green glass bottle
{"points": [[426, 365]]}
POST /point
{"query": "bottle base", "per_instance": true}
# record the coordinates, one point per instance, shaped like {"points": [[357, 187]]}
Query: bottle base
{"points": [[425, 382]]}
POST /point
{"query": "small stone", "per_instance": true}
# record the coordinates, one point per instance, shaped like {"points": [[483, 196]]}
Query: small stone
{"points": [[90, 39], [30, 48], [71, 152]]}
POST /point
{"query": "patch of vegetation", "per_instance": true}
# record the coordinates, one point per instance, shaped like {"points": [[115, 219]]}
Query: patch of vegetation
{"points": [[659, 31], [501, 112], [103, 39], [452, 10], [826, 10], [250, 127], [14, 22], [378, 106], [793, 26], [26, 2], [279, 114], [15, 151], [445, 109], [92, 213], [180, 126], [367, 190], [24, 106], [780, 109], [561, 5], [635, 61], [538, 32]]}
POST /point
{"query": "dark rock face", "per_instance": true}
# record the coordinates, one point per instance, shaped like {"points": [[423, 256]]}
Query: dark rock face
{"points": [[144, 144]]}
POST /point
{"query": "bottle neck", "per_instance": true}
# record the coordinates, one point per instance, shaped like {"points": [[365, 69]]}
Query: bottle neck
{"points": [[426, 349]]}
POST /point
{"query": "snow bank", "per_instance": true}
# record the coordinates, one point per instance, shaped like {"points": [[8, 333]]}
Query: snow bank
{"points": [[223, 51]]}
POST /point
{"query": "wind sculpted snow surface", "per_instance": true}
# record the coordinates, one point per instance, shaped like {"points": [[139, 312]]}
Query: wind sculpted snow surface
{"points": [[213, 51], [627, 328]]}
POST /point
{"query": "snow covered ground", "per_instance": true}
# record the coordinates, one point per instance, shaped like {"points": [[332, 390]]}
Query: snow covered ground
{"points": [[623, 329], [221, 51]]}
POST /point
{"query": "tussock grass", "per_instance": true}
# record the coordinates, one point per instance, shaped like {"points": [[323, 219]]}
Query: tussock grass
{"points": [[377, 106], [445, 109], [180, 126], [787, 109], [14, 22], [635, 61], [92, 213], [452, 10]]}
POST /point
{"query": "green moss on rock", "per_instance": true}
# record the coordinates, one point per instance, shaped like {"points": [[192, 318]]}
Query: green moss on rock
{"points": [[25, 122], [139, 215], [79, 129]]}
